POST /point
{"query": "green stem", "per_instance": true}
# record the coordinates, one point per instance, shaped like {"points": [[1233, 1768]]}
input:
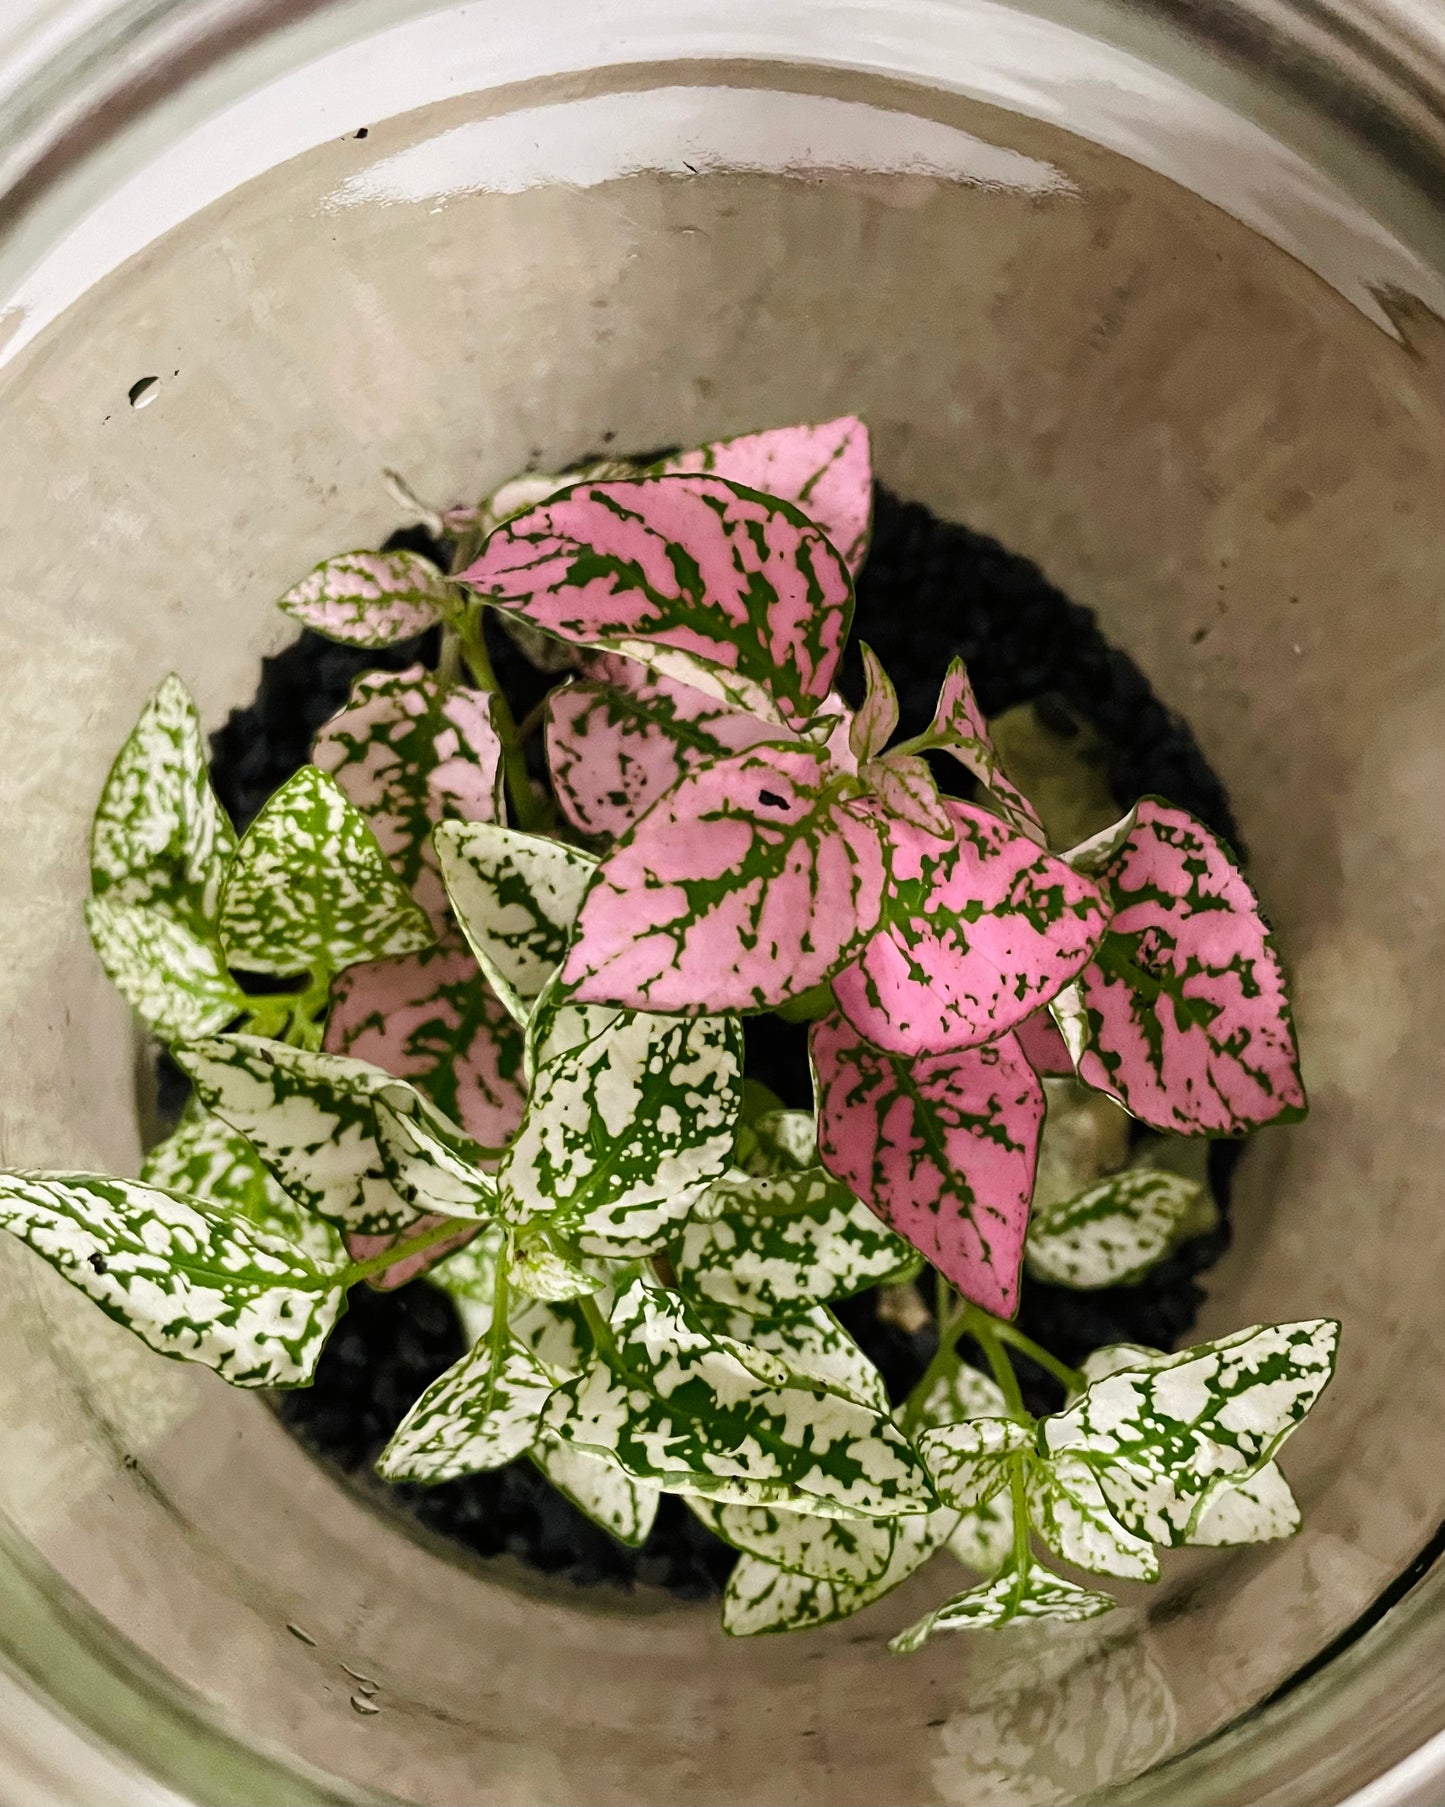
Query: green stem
{"points": [[400, 1251], [920, 743], [497, 1331], [1070, 1378], [950, 1329], [533, 813], [602, 1336], [983, 1327]]}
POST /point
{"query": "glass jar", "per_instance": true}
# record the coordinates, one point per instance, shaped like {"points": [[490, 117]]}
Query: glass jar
{"points": [[1152, 292]]}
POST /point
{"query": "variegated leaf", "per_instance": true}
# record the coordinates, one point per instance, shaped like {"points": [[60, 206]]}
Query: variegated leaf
{"points": [[1068, 1509], [160, 838], [959, 728], [812, 1343], [694, 1412], [778, 1244], [631, 1117], [195, 1284], [1161, 1437], [205, 1160], [850, 1551], [763, 1597], [905, 788], [174, 979], [516, 897], [619, 741], [722, 588], [310, 887], [429, 1018], [743, 887], [872, 727], [370, 598], [611, 1499], [311, 1118], [1111, 1233], [972, 1461], [1012, 1597], [434, 1166], [1254, 1510], [978, 931], [482, 1413], [942, 1149], [1184, 1017], [409, 755], [825, 470]]}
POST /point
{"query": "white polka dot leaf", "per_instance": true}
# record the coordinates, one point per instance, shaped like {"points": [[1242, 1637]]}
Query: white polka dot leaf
{"points": [[310, 888], [468, 1000]]}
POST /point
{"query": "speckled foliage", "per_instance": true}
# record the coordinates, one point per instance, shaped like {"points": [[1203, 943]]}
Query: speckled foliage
{"points": [[432, 1029]]}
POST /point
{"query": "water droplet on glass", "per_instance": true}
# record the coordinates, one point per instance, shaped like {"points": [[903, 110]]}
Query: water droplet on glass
{"points": [[144, 391], [304, 1636], [367, 1685], [363, 1704]]}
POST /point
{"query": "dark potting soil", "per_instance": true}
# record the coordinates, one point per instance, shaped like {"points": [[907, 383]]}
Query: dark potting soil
{"points": [[929, 591]]}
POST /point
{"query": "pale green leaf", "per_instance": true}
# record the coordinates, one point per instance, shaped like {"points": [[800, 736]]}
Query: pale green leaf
{"points": [[1161, 1437], [1113, 1232], [777, 1244], [630, 1119], [516, 897], [159, 837], [542, 1271], [312, 1120], [699, 1413], [482, 1413], [195, 1284], [1009, 1598], [310, 887], [370, 598], [206, 1160], [174, 979]]}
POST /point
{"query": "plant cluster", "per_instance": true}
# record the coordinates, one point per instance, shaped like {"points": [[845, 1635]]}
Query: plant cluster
{"points": [[432, 1025]]}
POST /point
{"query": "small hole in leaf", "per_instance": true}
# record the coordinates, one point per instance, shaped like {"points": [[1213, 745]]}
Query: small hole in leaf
{"points": [[772, 800], [364, 132], [142, 392]]}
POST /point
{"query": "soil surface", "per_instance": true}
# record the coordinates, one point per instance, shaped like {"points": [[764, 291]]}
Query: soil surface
{"points": [[929, 591]]}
